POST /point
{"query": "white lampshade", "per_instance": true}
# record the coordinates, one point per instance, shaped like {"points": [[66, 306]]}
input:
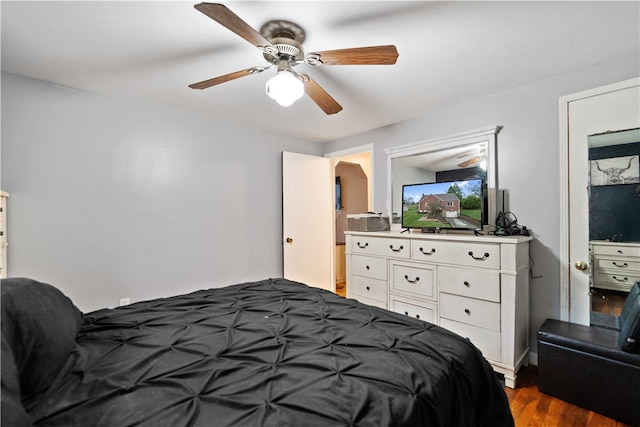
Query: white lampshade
{"points": [[285, 88]]}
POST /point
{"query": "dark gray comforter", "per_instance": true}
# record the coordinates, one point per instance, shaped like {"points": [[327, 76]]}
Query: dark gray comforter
{"points": [[268, 353]]}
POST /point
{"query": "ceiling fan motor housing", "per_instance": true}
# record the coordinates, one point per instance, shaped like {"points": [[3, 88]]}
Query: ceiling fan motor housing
{"points": [[287, 37], [288, 49]]}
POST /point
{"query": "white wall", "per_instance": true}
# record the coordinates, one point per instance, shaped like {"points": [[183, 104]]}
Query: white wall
{"points": [[528, 169], [115, 199]]}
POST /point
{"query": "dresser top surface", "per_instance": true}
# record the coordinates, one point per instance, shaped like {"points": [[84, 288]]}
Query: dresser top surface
{"points": [[610, 243], [417, 235]]}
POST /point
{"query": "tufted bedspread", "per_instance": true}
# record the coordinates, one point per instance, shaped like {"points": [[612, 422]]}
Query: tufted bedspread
{"points": [[269, 353]]}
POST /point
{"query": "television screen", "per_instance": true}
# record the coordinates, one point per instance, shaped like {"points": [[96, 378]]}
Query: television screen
{"points": [[446, 205]]}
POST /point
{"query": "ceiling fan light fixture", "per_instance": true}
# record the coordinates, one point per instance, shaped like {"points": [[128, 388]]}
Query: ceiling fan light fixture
{"points": [[285, 87]]}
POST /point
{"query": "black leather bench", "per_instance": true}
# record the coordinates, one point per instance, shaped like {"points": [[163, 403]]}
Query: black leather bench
{"points": [[594, 367]]}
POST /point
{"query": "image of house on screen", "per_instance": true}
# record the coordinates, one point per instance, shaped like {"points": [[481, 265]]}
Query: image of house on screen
{"points": [[440, 205]]}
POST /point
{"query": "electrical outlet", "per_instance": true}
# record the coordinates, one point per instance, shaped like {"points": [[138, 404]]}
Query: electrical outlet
{"points": [[125, 301]]}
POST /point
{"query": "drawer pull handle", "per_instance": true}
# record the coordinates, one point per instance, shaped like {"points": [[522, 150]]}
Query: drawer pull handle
{"points": [[417, 316], [431, 252], [467, 284], [362, 246], [396, 250], [621, 266], [466, 310], [367, 267], [620, 251], [406, 313], [411, 281], [368, 288], [621, 280], [486, 255]]}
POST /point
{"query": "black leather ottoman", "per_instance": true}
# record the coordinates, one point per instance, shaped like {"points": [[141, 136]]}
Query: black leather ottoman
{"points": [[584, 365]]}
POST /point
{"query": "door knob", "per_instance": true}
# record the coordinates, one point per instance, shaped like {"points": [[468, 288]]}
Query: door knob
{"points": [[289, 240], [581, 265]]}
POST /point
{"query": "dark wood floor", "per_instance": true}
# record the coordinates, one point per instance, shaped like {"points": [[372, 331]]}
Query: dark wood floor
{"points": [[607, 301], [341, 289], [532, 408]]}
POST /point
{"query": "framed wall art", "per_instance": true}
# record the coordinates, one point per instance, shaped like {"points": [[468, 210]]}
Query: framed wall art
{"points": [[615, 171]]}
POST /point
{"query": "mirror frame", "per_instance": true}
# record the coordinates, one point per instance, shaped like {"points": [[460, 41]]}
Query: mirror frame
{"points": [[486, 135]]}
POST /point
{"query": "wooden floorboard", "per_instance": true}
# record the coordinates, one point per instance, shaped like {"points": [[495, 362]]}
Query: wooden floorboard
{"points": [[532, 408], [341, 288]]}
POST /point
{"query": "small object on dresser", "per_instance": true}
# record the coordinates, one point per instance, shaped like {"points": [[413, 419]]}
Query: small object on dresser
{"points": [[367, 222]]}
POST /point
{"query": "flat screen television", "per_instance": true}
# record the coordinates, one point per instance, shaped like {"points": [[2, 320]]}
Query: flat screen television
{"points": [[453, 205]]}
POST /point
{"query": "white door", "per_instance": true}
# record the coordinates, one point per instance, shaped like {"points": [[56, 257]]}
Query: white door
{"points": [[614, 107], [308, 220]]}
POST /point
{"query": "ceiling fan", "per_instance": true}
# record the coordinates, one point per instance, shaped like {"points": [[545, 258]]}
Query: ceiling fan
{"points": [[281, 44]]}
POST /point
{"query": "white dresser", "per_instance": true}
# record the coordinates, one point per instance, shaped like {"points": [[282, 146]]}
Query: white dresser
{"points": [[615, 265], [3, 234], [477, 287]]}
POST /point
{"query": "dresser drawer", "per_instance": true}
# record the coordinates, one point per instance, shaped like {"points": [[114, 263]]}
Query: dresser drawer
{"points": [[394, 248], [370, 288], [412, 279], [483, 255], [483, 314], [487, 341], [481, 284], [375, 268], [621, 281], [420, 310], [617, 250], [618, 264]]}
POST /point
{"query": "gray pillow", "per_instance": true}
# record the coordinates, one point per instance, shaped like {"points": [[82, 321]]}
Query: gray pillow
{"points": [[629, 337], [13, 412], [39, 328]]}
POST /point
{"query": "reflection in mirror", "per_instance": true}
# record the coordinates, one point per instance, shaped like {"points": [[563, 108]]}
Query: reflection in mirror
{"points": [[614, 227], [453, 164], [459, 157]]}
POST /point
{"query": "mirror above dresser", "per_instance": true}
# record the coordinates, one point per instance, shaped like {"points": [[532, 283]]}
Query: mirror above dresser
{"points": [[443, 159]]}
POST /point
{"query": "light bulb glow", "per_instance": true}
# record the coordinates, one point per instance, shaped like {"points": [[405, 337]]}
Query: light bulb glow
{"points": [[285, 88]]}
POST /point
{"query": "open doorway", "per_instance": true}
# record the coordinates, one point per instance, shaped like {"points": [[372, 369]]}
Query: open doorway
{"points": [[353, 196]]}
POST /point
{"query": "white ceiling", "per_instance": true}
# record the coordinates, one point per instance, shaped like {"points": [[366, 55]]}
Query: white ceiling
{"points": [[450, 52]]}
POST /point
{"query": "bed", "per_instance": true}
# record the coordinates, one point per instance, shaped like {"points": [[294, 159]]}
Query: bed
{"points": [[266, 353]]}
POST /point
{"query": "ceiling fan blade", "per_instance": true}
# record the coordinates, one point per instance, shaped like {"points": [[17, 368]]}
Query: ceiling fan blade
{"points": [[470, 162], [225, 17], [371, 55], [320, 96], [227, 77]]}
